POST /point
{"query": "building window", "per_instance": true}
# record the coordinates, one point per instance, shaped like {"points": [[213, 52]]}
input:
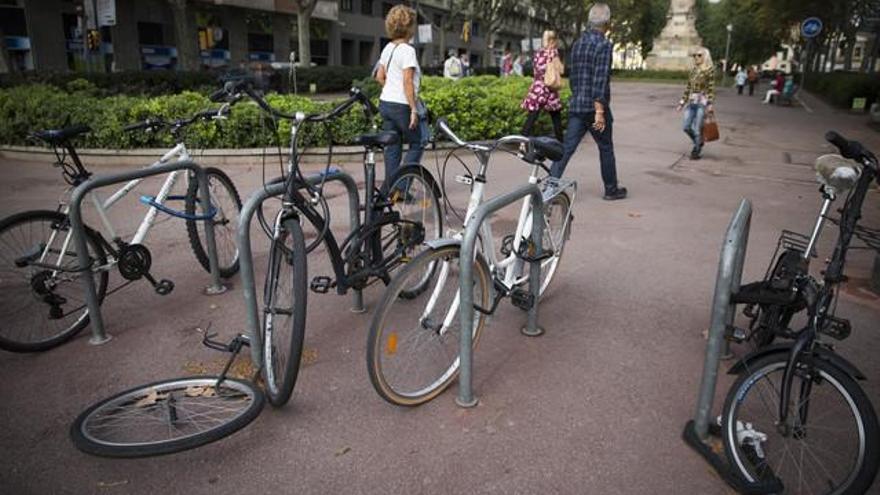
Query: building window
{"points": [[150, 33], [345, 5], [475, 29], [438, 19], [367, 7], [386, 7], [12, 21], [857, 52]]}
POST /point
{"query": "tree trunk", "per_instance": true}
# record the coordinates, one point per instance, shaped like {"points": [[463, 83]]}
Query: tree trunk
{"points": [[5, 65], [848, 56], [442, 44], [870, 56], [185, 36], [304, 37], [835, 43]]}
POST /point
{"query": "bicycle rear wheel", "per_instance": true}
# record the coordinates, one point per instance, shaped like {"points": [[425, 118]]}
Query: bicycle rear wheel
{"points": [[225, 198], [832, 447], [284, 320], [413, 345], [43, 304], [166, 417]]}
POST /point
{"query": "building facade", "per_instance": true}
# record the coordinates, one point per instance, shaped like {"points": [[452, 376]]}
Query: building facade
{"points": [[140, 34]]}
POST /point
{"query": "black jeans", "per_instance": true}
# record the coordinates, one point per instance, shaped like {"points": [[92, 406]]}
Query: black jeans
{"points": [[752, 87], [395, 117], [556, 117], [578, 125]]}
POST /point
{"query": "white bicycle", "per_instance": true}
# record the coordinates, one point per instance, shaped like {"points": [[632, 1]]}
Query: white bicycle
{"points": [[413, 345], [42, 304]]}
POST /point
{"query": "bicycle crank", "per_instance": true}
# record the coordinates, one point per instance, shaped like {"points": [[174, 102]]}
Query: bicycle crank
{"points": [[134, 263]]}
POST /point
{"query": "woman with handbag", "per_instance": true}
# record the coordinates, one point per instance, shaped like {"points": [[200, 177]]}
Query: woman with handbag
{"points": [[698, 99], [400, 77], [544, 92]]}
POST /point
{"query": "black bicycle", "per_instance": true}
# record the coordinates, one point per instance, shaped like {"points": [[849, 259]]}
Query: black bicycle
{"points": [[398, 218], [797, 413]]}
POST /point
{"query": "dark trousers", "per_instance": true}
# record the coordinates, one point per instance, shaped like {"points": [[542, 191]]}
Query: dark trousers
{"points": [[556, 117], [752, 87], [578, 126], [395, 117], [739, 89]]}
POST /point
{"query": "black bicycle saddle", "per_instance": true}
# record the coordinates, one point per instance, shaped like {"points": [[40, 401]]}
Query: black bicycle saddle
{"points": [[384, 138], [59, 136], [546, 147]]}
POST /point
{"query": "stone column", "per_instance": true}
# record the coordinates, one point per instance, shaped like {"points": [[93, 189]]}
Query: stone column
{"points": [[677, 39], [281, 30], [126, 46], [46, 32], [238, 42]]}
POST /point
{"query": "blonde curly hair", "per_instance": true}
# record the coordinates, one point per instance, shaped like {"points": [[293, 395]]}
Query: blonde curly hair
{"points": [[400, 22]]}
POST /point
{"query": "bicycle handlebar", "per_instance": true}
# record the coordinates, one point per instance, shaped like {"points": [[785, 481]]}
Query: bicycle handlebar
{"points": [[850, 149], [157, 124]]}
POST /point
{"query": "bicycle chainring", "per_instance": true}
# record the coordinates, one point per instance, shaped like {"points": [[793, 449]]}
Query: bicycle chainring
{"points": [[134, 261]]}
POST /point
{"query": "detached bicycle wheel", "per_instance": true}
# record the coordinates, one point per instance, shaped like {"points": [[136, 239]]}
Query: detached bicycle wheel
{"points": [[284, 313], [224, 197], [166, 417]]}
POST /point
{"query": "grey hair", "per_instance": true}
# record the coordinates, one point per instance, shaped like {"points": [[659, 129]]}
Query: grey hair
{"points": [[600, 15]]}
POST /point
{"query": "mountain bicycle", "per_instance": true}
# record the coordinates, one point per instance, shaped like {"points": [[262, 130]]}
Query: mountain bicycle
{"points": [[796, 412], [413, 345], [42, 305], [398, 218]]}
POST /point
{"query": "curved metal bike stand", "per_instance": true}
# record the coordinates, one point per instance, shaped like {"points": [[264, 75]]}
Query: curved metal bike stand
{"points": [[697, 431], [99, 336], [466, 285], [246, 258]]}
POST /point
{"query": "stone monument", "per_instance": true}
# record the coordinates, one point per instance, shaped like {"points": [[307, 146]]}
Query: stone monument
{"points": [[672, 48]]}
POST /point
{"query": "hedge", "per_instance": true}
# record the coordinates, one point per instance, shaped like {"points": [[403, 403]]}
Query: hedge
{"points": [[839, 88], [477, 108]]}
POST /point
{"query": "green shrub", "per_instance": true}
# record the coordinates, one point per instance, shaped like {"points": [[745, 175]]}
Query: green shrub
{"points": [[477, 108], [839, 88], [672, 75]]}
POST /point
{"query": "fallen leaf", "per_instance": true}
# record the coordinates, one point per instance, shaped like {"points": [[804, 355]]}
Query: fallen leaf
{"points": [[194, 391], [151, 398], [635, 215], [108, 484], [309, 356], [342, 451]]}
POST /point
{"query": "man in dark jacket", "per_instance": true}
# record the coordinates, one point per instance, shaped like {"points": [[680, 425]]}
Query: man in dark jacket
{"points": [[589, 108]]}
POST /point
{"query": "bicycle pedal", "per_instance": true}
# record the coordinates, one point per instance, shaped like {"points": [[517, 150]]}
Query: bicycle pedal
{"points": [[164, 287], [321, 284], [749, 311], [522, 299], [735, 334], [836, 328]]}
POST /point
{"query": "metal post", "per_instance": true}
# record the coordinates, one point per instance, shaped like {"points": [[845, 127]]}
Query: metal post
{"points": [[727, 56], [99, 336], [532, 329], [729, 275], [466, 282], [216, 286], [248, 282]]}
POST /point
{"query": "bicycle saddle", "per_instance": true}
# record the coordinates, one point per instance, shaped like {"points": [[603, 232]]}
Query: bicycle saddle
{"points": [[384, 138], [59, 136], [546, 148], [837, 173]]}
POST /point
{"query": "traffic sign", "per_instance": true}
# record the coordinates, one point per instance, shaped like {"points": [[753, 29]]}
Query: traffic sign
{"points": [[811, 27]]}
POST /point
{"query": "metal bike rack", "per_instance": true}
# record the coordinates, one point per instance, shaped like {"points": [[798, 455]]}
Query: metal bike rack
{"points": [[99, 336], [466, 285], [246, 258], [727, 283]]}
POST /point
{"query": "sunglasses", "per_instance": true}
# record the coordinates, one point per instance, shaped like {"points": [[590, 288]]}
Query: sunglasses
{"points": [[697, 55]]}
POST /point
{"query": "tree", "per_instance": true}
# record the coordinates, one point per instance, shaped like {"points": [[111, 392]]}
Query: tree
{"points": [[566, 17], [450, 21], [490, 14], [754, 36], [304, 11], [184, 33], [637, 22]]}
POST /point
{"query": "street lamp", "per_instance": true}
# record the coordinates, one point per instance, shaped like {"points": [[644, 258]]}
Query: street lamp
{"points": [[726, 55]]}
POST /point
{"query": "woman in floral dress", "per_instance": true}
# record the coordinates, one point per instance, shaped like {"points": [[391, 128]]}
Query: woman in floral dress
{"points": [[541, 97]]}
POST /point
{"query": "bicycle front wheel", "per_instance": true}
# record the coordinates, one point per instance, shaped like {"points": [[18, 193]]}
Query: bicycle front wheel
{"points": [[284, 317], [830, 442], [166, 417], [43, 303], [557, 225], [413, 345], [225, 199]]}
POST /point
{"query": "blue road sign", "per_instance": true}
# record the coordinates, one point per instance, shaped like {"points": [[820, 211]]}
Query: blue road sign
{"points": [[811, 27]]}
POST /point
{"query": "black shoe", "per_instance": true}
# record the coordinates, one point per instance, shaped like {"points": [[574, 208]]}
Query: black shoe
{"points": [[695, 153], [615, 194]]}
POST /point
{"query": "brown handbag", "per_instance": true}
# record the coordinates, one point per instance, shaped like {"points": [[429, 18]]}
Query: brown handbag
{"points": [[553, 74], [710, 128]]}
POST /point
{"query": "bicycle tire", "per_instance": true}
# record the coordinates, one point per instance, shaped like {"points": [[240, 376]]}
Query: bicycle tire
{"points": [[382, 343], [556, 232], [225, 221], [280, 373], [12, 238], [751, 465], [428, 199], [193, 392]]}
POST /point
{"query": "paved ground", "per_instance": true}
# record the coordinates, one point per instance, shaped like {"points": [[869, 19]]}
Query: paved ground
{"points": [[596, 405]]}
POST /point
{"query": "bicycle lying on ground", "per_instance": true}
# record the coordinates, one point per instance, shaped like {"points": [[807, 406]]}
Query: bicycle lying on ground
{"points": [[42, 305], [796, 413], [412, 349], [398, 218]]}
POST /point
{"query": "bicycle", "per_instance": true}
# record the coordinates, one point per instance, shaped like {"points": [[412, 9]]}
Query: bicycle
{"points": [[40, 263], [412, 348], [796, 413], [398, 218]]}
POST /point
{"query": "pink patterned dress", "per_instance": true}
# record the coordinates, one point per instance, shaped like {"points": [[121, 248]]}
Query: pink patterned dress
{"points": [[541, 97]]}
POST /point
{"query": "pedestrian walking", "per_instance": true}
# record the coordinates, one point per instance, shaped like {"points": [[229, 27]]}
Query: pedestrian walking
{"points": [[741, 78], [698, 98], [589, 108], [518, 65], [465, 64], [400, 76], [541, 96], [752, 76], [452, 68], [506, 62]]}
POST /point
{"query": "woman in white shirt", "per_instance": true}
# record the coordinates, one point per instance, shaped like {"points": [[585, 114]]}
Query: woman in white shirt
{"points": [[400, 76]]}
